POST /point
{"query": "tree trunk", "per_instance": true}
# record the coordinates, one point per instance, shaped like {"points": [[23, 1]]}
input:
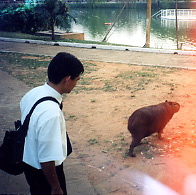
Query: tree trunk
{"points": [[176, 13], [52, 29], [148, 23]]}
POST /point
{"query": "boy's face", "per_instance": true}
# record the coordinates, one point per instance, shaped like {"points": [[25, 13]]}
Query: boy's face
{"points": [[70, 84]]}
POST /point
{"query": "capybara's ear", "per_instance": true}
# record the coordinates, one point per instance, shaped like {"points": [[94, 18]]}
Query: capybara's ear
{"points": [[165, 100]]}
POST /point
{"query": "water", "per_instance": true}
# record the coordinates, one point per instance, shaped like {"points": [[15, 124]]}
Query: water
{"points": [[130, 29]]}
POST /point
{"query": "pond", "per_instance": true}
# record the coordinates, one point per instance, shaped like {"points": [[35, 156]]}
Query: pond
{"points": [[130, 28]]}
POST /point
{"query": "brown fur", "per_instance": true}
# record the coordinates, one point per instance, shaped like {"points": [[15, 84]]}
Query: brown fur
{"points": [[148, 120]]}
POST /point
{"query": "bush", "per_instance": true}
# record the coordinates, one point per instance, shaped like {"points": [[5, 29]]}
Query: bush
{"points": [[43, 16], [21, 19]]}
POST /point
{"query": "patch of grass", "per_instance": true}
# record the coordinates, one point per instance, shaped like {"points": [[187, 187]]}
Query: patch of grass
{"points": [[119, 149], [108, 87], [80, 88], [31, 69], [72, 117], [127, 166], [86, 79], [120, 144], [124, 144], [138, 79], [89, 67], [24, 60], [23, 36], [114, 144], [126, 154], [92, 141], [145, 74], [82, 155], [135, 74], [145, 150], [93, 100]]}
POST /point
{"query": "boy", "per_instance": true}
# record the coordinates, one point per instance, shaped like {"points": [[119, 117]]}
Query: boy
{"points": [[46, 142]]}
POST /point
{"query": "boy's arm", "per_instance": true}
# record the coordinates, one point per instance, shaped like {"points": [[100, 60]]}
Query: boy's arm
{"points": [[49, 171]]}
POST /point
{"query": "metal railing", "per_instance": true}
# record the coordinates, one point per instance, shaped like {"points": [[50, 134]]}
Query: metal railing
{"points": [[181, 14]]}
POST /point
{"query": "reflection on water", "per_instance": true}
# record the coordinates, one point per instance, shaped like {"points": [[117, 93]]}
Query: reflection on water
{"points": [[181, 24], [187, 31], [130, 28]]}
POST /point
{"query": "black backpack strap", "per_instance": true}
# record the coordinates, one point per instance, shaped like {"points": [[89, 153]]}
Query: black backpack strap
{"points": [[41, 100], [27, 119]]}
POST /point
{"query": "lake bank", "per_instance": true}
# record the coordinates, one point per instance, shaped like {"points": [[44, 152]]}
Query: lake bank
{"points": [[134, 5]]}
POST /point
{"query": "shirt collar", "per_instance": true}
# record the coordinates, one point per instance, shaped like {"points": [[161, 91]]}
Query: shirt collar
{"points": [[53, 92]]}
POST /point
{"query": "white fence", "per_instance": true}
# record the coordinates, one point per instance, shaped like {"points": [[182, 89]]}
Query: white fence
{"points": [[182, 14]]}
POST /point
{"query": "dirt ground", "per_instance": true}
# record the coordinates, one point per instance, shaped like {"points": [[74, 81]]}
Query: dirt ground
{"points": [[97, 124], [97, 112]]}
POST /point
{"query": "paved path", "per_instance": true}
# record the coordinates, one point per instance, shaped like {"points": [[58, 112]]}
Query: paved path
{"points": [[11, 91], [118, 56]]}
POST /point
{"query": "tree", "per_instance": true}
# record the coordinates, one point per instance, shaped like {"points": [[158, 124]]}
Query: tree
{"points": [[176, 14], [30, 19], [53, 13], [18, 18]]}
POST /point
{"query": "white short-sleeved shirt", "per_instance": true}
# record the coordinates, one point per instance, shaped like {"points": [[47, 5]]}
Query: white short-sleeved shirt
{"points": [[46, 137]]}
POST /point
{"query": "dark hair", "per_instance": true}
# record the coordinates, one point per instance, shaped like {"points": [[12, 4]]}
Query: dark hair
{"points": [[62, 65]]}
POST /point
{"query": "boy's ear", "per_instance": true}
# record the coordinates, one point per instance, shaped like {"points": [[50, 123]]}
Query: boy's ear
{"points": [[67, 79]]}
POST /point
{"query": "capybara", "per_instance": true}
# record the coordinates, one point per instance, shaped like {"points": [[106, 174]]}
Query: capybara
{"points": [[148, 120]]}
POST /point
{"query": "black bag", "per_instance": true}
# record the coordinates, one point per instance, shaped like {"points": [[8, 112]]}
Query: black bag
{"points": [[69, 147], [11, 151]]}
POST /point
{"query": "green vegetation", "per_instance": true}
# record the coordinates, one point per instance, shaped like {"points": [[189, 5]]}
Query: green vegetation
{"points": [[119, 143], [92, 141], [32, 70], [19, 35], [28, 61], [47, 38], [18, 17], [53, 13], [33, 18], [93, 100], [132, 75], [71, 117], [28, 68]]}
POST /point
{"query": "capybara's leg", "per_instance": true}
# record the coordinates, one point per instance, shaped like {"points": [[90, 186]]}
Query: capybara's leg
{"points": [[134, 143], [131, 152], [160, 134]]}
